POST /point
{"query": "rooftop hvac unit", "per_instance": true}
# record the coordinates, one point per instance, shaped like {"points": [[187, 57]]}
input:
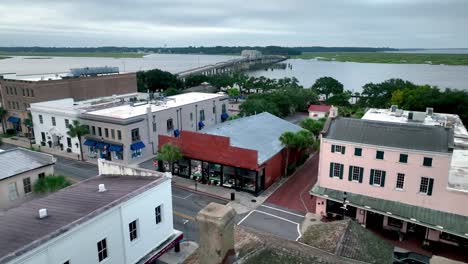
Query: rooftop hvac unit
{"points": [[393, 108], [410, 116], [399, 112], [429, 111]]}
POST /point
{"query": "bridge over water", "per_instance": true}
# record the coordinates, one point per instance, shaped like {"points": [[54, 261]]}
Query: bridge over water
{"points": [[234, 65]]}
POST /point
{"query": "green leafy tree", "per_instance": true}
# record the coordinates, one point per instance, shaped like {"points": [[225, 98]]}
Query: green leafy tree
{"points": [[305, 139], [380, 94], [340, 99], [3, 113], [157, 80], [314, 126], [78, 130], [169, 153], [257, 106], [288, 140], [327, 85], [354, 111], [233, 93], [195, 80], [51, 183]]}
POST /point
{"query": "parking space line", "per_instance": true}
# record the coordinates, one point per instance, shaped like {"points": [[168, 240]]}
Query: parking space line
{"points": [[180, 197], [184, 216], [240, 222], [284, 211]]}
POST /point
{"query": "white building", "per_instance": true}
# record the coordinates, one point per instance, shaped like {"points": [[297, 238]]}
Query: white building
{"points": [[52, 118], [107, 219], [128, 133]]}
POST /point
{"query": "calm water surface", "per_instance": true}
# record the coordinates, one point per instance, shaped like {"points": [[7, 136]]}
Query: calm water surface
{"points": [[354, 75]]}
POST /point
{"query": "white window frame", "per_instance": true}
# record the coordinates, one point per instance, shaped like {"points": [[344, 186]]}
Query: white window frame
{"points": [[400, 180], [424, 182], [103, 250], [356, 173], [133, 230], [377, 176], [28, 179], [336, 170], [12, 191]]}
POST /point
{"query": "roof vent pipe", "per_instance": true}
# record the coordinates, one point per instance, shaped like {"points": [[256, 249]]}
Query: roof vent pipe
{"points": [[42, 213], [102, 188]]}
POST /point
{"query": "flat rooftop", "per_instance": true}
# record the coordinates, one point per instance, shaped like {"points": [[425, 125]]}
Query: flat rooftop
{"points": [[458, 174], [21, 229], [20, 160], [259, 132], [139, 108], [436, 119], [390, 134]]}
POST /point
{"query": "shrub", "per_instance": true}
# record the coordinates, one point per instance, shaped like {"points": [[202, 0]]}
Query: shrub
{"points": [[291, 168], [51, 183]]}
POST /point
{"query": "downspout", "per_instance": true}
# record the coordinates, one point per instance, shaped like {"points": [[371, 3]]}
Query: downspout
{"points": [[196, 117], [149, 122], [177, 114], [181, 120]]}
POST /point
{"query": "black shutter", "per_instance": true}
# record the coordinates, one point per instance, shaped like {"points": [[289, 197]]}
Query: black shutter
{"points": [[361, 174], [331, 169], [343, 148], [382, 182], [371, 178], [341, 171], [332, 148], [429, 188], [350, 176]]}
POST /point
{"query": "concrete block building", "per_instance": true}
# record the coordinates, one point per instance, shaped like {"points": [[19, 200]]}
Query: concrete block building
{"points": [[19, 170], [19, 92], [243, 154], [394, 176], [122, 216]]}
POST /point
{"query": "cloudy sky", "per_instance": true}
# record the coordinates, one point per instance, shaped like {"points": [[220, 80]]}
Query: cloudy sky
{"points": [[155, 23]]}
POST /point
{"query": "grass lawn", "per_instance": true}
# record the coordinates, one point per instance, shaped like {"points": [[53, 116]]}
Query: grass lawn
{"points": [[2, 57], [381, 57], [75, 54]]}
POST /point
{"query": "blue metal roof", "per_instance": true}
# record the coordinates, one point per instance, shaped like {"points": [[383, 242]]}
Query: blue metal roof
{"points": [[90, 142], [259, 132]]}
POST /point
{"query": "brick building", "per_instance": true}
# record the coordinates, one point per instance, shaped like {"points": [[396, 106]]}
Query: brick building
{"points": [[244, 154], [18, 92]]}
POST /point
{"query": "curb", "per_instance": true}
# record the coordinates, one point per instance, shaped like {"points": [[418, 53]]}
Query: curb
{"points": [[200, 192]]}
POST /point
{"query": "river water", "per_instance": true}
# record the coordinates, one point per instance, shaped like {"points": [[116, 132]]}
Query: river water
{"points": [[169, 62], [354, 75]]}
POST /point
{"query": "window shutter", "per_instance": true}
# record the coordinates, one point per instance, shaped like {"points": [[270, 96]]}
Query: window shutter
{"points": [[332, 148], [371, 178], [360, 175], [350, 176], [331, 169], [341, 171], [343, 148], [382, 182], [429, 188]]}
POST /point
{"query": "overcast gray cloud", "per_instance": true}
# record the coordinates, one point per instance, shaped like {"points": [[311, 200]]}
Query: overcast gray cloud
{"points": [[378, 23]]}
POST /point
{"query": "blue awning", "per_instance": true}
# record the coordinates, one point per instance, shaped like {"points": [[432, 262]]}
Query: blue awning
{"points": [[102, 145], [14, 119], [176, 133], [224, 116], [137, 145], [90, 142], [116, 148], [200, 125]]}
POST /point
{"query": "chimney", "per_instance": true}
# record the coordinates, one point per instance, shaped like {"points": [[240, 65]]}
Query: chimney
{"points": [[102, 188], [42, 213]]}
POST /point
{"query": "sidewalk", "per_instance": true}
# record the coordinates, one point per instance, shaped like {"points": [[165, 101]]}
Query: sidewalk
{"points": [[24, 142]]}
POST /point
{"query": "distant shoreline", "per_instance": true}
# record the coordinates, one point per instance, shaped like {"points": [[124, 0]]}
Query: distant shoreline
{"points": [[75, 54], [390, 57]]}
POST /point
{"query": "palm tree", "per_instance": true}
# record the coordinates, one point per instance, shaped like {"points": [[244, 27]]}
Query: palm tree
{"points": [[78, 130], [169, 153], [288, 140], [3, 113]]}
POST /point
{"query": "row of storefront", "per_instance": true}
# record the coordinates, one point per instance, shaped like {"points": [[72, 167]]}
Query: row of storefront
{"points": [[111, 151], [206, 172]]}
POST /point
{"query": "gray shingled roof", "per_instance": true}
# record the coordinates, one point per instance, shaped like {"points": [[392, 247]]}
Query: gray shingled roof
{"points": [[19, 160], [259, 132], [398, 135], [21, 230]]}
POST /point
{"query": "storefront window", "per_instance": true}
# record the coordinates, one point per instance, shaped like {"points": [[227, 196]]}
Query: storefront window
{"points": [[136, 153], [214, 173], [117, 155], [249, 179], [229, 176], [92, 152], [196, 169], [181, 167]]}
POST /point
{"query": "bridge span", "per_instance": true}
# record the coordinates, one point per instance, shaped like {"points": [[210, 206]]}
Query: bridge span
{"points": [[234, 65]]}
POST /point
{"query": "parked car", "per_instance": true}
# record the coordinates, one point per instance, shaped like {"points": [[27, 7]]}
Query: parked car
{"points": [[410, 257]]}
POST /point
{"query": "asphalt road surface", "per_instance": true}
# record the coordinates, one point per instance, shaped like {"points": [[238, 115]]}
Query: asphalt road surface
{"points": [[275, 220]]}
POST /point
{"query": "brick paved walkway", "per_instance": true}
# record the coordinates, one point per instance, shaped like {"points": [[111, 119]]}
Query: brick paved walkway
{"points": [[294, 193]]}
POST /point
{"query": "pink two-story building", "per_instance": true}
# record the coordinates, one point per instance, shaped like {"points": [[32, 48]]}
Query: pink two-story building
{"points": [[391, 176]]}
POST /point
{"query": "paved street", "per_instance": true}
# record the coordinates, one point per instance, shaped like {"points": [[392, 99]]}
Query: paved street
{"points": [[275, 220]]}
